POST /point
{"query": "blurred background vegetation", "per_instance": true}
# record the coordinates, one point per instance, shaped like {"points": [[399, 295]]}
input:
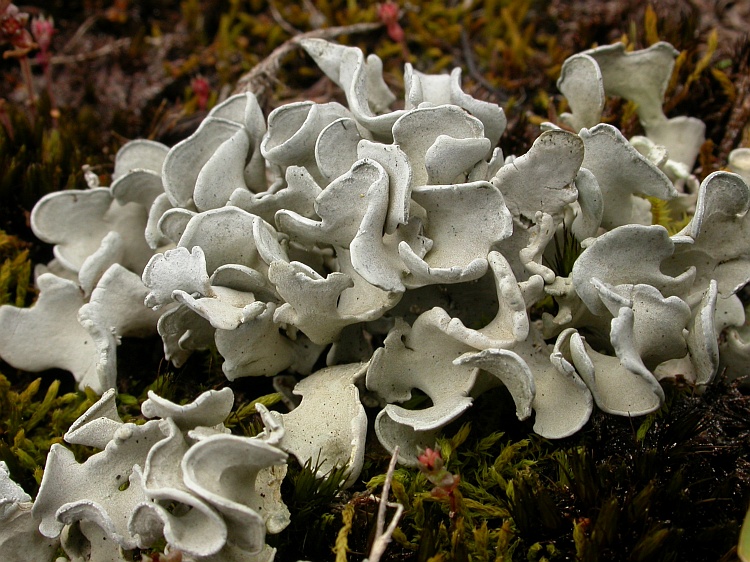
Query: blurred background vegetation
{"points": [[670, 486]]}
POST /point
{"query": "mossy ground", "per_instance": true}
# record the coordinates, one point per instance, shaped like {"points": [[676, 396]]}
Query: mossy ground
{"points": [[670, 486]]}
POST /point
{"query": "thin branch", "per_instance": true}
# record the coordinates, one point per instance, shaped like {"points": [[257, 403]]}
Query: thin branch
{"points": [[380, 525], [738, 118], [80, 32], [278, 18], [263, 74], [474, 71], [317, 19], [106, 50], [383, 536]]}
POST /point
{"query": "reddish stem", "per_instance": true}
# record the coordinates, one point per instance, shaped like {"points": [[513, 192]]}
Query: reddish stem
{"points": [[26, 71], [54, 111]]}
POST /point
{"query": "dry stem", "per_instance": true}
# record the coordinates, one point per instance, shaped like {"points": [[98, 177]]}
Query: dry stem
{"points": [[260, 78], [106, 50], [383, 537]]}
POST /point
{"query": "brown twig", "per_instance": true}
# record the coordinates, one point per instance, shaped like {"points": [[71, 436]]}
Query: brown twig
{"points": [[278, 18], [474, 71], [106, 50], [260, 78], [80, 32], [28, 80], [317, 19], [738, 118]]}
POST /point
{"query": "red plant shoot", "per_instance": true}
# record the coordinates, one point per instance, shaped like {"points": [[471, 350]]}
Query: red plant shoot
{"points": [[388, 14], [431, 464], [202, 91], [13, 31], [43, 29]]}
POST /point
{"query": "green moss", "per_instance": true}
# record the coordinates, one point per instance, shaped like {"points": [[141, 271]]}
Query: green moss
{"points": [[663, 213], [567, 248], [31, 421], [15, 270], [315, 505], [614, 491]]}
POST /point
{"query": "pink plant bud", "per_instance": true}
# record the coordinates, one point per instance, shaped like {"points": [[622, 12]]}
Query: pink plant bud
{"points": [[42, 29], [13, 30], [430, 461], [201, 90], [395, 32], [388, 14]]}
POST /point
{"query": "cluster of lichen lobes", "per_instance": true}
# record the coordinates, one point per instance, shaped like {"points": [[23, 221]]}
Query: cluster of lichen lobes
{"points": [[620, 489], [510, 484], [30, 421]]}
